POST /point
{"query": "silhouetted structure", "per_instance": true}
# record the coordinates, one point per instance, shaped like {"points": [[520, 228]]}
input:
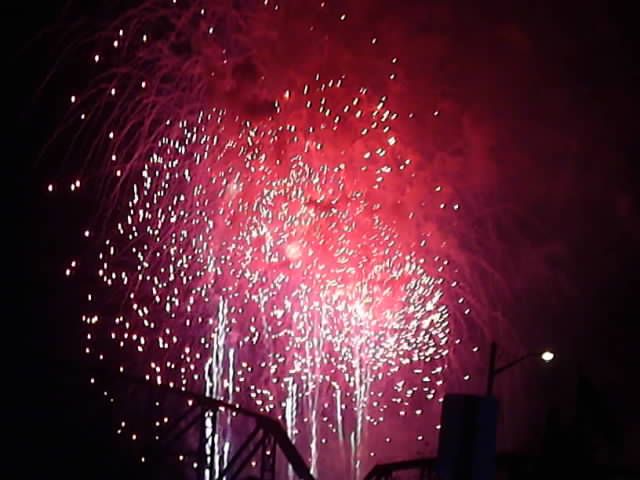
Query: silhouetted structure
{"points": [[467, 444], [266, 437]]}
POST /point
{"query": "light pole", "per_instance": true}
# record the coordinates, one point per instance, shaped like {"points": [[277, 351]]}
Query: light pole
{"points": [[546, 355]]}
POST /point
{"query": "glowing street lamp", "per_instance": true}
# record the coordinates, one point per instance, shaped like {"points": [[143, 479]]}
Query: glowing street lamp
{"points": [[546, 356]]}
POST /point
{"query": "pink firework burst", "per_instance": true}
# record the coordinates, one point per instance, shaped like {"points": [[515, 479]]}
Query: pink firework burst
{"points": [[280, 239]]}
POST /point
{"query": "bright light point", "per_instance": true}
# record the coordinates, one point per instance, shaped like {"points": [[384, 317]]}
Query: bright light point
{"points": [[293, 251], [96, 58], [50, 187], [547, 356], [343, 17], [73, 99]]}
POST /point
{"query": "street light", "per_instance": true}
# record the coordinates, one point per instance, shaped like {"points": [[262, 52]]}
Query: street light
{"points": [[546, 356]]}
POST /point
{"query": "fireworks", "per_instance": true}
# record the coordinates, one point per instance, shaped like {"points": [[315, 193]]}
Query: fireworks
{"points": [[279, 239]]}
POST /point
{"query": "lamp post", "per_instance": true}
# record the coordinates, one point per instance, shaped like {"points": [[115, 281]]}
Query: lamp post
{"points": [[546, 355]]}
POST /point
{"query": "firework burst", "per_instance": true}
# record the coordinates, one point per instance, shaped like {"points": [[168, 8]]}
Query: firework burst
{"points": [[280, 240]]}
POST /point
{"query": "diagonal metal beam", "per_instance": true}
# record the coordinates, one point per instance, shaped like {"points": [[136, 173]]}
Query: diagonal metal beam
{"points": [[229, 467]]}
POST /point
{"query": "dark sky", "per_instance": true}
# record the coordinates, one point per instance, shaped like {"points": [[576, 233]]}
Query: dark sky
{"points": [[64, 424], [60, 428]]}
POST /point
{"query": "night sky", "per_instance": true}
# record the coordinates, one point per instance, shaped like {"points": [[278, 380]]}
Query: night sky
{"points": [[63, 426]]}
